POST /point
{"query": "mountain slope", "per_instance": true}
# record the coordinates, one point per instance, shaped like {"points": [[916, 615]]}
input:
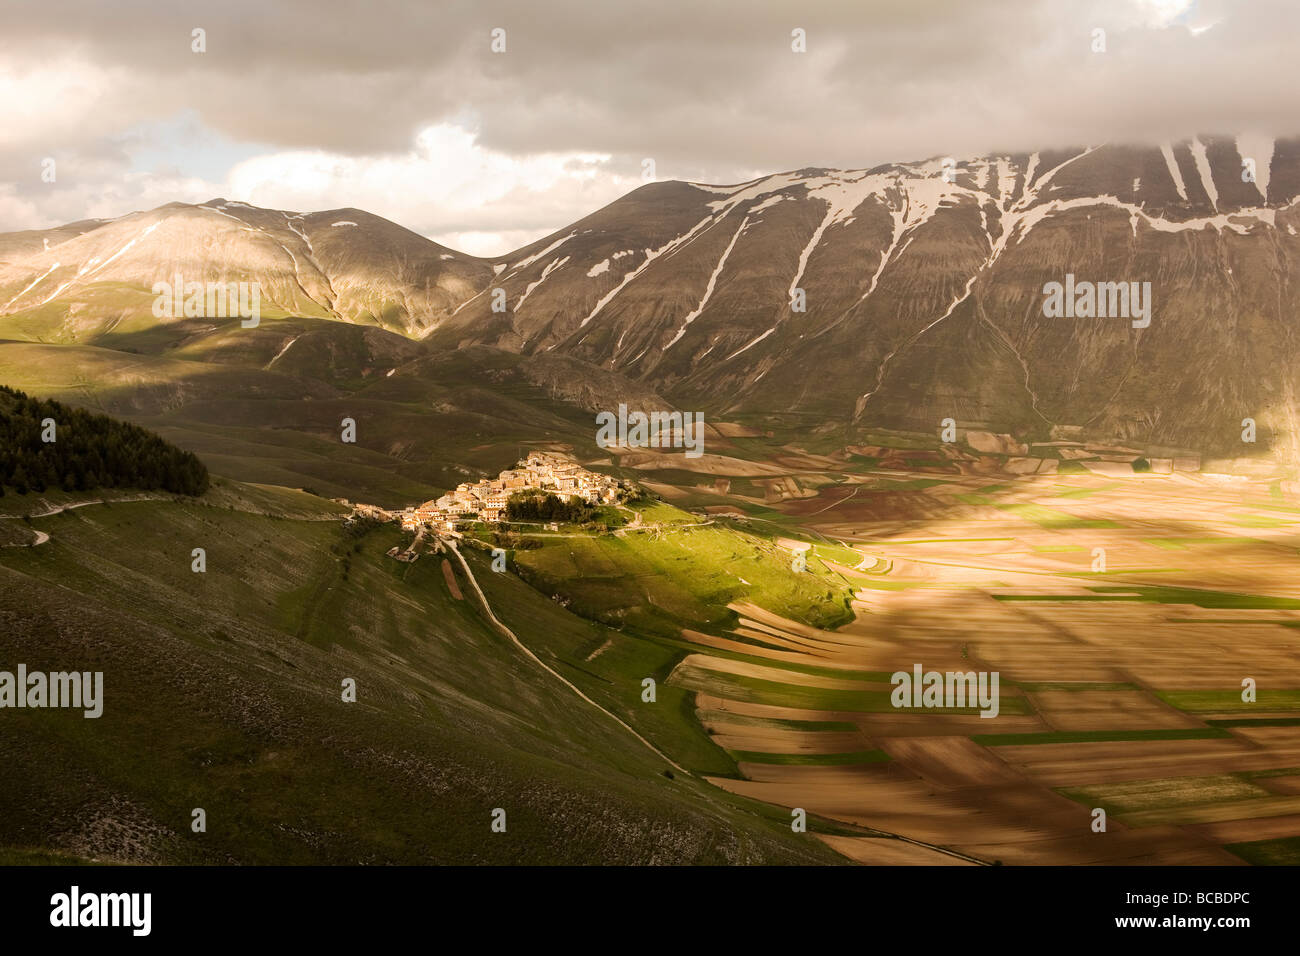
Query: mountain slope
{"points": [[243, 667], [342, 264], [831, 300], [924, 297]]}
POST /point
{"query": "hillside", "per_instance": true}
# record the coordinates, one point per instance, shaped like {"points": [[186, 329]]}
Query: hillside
{"points": [[243, 665], [46, 444], [922, 290], [924, 297], [342, 264], [424, 420]]}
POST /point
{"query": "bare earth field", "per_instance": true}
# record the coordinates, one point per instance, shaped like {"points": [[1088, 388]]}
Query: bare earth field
{"points": [[1121, 669]]}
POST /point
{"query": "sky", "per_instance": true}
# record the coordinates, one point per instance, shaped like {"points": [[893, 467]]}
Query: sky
{"points": [[405, 109]]}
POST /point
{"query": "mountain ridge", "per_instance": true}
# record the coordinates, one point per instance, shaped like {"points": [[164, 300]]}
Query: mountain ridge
{"points": [[921, 289]]}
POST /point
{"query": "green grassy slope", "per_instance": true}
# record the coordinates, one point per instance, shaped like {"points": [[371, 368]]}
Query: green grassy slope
{"points": [[679, 571], [267, 404], [222, 691], [619, 604]]}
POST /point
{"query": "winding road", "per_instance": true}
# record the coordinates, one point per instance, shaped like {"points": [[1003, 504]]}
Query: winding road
{"points": [[42, 537], [469, 574], [496, 621]]}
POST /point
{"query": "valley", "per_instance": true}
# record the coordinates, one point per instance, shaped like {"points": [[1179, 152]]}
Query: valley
{"points": [[244, 663], [1121, 684], [769, 595], [908, 466]]}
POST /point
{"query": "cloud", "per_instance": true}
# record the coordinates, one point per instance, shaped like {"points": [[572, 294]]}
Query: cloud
{"points": [[403, 108], [448, 186]]}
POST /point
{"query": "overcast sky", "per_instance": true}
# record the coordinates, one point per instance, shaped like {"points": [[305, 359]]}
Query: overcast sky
{"points": [[403, 109]]}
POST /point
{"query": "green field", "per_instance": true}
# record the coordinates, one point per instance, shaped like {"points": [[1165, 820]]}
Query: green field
{"points": [[1166, 793], [222, 691], [1095, 736], [674, 573], [759, 691], [1210, 701], [852, 758], [1197, 597], [1280, 852]]}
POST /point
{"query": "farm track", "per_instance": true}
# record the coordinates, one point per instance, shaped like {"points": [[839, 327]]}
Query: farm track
{"points": [[496, 622]]}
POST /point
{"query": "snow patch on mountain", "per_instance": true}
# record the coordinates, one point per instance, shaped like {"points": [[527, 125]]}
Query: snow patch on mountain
{"points": [[99, 268], [650, 256], [708, 291], [841, 196], [284, 349], [1238, 221], [222, 212], [1046, 178], [1175, 173], [1260, 149], [525, 263], [299, 232], [1007, 173], [551, 267], [1203, 168], [750, 345], [769, 202], [31, 285], [757, 190]]}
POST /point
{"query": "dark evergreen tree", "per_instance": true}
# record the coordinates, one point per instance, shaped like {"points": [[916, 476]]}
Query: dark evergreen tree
{"points": [[90, 451], [534, 506]]}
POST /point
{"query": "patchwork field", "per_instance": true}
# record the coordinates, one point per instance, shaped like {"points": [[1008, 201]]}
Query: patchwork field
{"points": [[1122, 616], [749, 637], [1125, 679]]}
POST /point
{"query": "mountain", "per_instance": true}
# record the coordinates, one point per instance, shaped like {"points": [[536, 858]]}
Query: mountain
{"points": [[924, 298], [19, 245], [342, 264], [922, 284]]}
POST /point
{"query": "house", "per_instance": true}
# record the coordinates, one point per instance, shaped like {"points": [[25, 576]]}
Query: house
{"points": [[488, 498]]}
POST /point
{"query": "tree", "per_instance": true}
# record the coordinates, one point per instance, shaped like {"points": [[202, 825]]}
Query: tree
{"points": [[92, 451]]}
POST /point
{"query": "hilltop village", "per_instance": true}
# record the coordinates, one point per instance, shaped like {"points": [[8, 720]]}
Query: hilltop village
{"points": [[486, 500]]}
